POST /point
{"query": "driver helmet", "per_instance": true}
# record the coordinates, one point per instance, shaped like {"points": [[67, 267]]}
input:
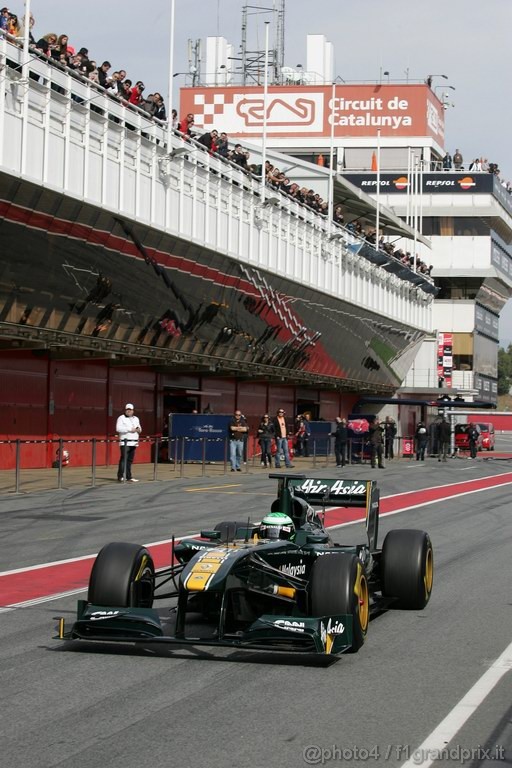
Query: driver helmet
{"points": [[276, 525]]}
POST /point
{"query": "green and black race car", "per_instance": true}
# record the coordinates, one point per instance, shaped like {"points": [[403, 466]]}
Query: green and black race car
{"points": [[280, 585]]}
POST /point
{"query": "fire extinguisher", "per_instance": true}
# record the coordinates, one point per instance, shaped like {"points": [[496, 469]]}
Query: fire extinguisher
{"points": [[65, 458]]}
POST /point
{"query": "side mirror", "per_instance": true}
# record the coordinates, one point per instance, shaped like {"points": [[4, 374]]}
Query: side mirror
{"points": [[212, 535]]}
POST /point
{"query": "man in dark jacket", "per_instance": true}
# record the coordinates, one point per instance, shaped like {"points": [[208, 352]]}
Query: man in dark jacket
{"points": [[443, 435], [340, 441], [266, 434], [237, 433], [222, 145], [209, 140], [389, 438], [376, 442], [473, 435]]}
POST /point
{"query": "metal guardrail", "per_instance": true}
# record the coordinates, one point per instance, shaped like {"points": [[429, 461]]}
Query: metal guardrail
{"points": [[178, 457]]}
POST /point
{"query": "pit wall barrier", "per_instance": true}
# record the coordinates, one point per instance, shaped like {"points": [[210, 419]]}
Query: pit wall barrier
{"points": [[94, 461]]}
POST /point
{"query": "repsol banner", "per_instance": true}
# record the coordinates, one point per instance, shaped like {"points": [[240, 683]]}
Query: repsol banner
{"points": [[433, 183]]}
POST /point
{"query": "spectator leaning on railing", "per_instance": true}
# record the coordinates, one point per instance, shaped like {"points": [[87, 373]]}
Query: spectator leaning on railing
{"points": [[4, 19], [58, 51]]}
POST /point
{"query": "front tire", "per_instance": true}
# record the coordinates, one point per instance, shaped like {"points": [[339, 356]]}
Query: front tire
{"points": [[339, 585], [123, 576], [408, 568]]}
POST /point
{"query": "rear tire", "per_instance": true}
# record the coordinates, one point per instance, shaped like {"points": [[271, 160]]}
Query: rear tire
{"points": [[123, 576], [408, 568], [339, 585], [228, 529]]}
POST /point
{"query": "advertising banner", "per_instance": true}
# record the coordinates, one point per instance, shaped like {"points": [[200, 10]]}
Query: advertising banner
{"points": [[356, 110], [445, 359], [197, 433], [433, 183]]}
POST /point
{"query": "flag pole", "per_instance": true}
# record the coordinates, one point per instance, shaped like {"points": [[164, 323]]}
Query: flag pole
{"points": [[171, 78], [331, 161], [265, 99], [377, 218]]}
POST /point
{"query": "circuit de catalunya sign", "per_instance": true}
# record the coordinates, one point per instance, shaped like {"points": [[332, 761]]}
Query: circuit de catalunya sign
{"points": [[395, 110]]}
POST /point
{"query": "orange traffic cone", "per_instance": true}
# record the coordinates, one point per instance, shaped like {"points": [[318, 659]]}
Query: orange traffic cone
{"points": [[374, 162]]}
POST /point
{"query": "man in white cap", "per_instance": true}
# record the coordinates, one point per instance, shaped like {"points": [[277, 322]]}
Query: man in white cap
{"points": [[128, 428]]}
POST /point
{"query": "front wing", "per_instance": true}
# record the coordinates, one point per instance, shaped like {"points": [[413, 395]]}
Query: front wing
{"points": [[323, 635]]}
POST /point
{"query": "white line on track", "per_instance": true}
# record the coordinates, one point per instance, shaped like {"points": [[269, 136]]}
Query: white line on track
{"points": [[442, 735]]}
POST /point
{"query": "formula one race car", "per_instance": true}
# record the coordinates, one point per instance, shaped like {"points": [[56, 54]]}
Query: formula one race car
{"points": [[280, 585]]}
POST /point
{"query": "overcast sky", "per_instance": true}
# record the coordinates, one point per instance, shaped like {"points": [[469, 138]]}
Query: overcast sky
{"points": [[468, 41]]}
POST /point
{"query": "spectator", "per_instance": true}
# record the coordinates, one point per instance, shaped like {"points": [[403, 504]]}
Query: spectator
{"points": [[239, 157], [307, 434], [266, 434], [447, 162], [457, 160], [148, 105], [421, 438], [21, 33], [160, 112], [128, 428], [475, 165], [85, 64], [285, 185], [300, 435], [4, 19], [47, 43], [337, 216], [120, 81], [103, 78], [174, 117], [443, 436], [237, 430], [389, 438], [340, 441], [186, 124], [209, 140], [113, 84], [473, 435], [60, 51], [76, 63], [376, 442], [13, 27], [222, 145], [126, 90], [281, 437], [136, 93]]}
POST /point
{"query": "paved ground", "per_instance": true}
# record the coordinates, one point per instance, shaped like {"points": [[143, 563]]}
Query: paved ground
{"points": [[88, 707]]}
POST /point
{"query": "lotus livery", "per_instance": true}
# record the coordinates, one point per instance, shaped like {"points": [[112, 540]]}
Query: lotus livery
{"points": [[281, 584]]}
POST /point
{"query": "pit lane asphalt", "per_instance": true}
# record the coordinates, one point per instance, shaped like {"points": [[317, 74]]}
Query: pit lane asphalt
{"points": [[112, 706]]}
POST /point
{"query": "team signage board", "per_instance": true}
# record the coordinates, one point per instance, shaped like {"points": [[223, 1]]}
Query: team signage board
{"points": [[310, 111], [198, 436], [433, 183]]}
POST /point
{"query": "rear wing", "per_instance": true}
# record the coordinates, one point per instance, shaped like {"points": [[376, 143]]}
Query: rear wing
{"points": [[328, 492]]}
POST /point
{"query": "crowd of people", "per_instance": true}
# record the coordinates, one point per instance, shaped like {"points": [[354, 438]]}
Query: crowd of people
{"points": [[58, 50], [478, 165]]}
